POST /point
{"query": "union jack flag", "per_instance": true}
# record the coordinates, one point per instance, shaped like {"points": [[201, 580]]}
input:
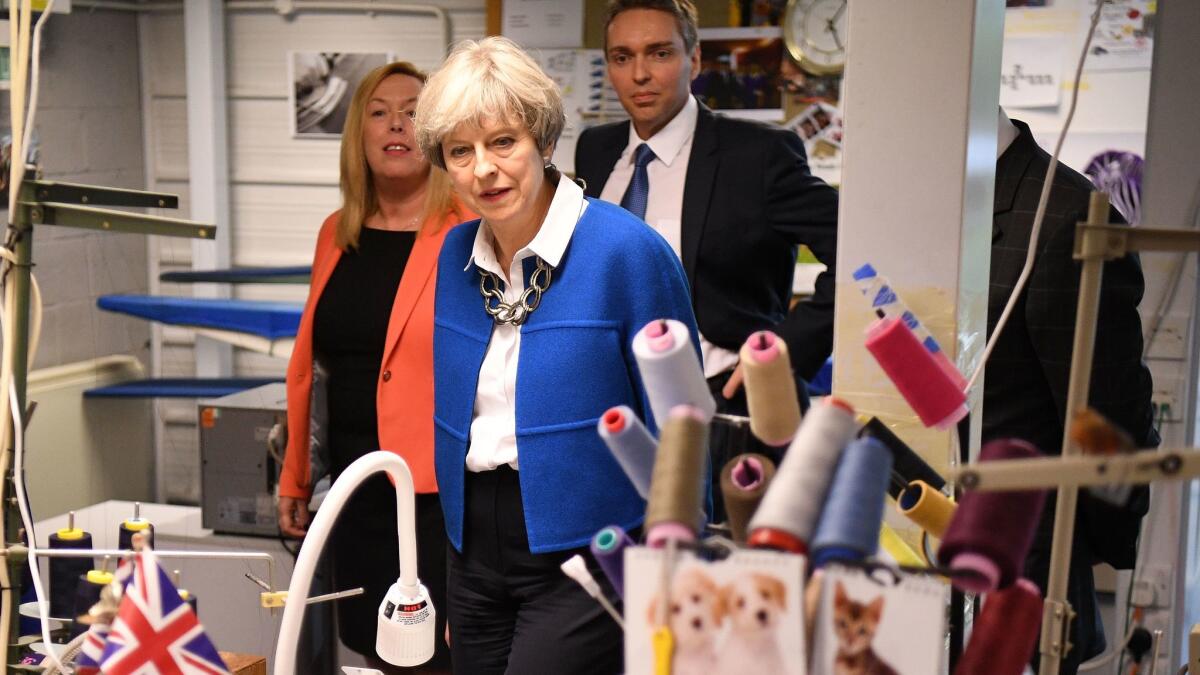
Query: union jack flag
{"points": [[156, 632]]}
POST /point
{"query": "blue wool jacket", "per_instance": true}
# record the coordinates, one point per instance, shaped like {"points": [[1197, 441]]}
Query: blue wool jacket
{"points": [[576, 361]]}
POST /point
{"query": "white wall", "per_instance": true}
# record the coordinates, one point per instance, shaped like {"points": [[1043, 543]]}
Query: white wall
{"points": [[281, 188]]}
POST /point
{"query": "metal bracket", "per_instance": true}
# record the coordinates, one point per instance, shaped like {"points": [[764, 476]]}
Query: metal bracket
{"points": [[109, 220], [75, 193], [1056, 628]]}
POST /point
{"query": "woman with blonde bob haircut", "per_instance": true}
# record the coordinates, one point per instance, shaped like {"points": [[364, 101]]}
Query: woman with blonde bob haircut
{"points": [[558, 284], [368, 322]]}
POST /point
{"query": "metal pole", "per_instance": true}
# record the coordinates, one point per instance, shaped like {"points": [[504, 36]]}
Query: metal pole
{"points": [[1057, 613]]}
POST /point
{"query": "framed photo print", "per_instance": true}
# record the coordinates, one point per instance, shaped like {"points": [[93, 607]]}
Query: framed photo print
{"points": [[321, 86]]}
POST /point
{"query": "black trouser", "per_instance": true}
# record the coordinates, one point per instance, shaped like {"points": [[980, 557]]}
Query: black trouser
{"points": [[727, 440], [512, 611]]}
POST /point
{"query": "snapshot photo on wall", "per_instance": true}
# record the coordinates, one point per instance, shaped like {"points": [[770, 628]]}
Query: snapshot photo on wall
{"points": [[322, 84], [740, 71]]}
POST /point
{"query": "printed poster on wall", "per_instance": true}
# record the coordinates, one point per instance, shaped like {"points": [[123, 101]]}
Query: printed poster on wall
{"points": [[1124, 37], [1031, 72], [587, 98], [543, 23]]}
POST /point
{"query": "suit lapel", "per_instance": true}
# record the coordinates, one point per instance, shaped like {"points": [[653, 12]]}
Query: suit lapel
{"points": [[417, 273], [698, 187], [1010, 171], [612, 143]]}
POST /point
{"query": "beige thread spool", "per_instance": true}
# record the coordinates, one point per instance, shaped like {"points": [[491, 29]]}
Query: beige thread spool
{"points": [[770, 389], [744, 481], [674, 508]]}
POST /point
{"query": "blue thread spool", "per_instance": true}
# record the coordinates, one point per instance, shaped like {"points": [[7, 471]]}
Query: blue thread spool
{"points": [[608, 548], [848, 528]]}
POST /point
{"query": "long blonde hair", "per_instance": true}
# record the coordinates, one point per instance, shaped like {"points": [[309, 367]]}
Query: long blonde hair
{"points": [[359, 200]]}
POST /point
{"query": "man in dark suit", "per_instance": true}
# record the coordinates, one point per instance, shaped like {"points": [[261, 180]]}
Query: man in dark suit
{"points": [[1026, 381], [734, 198]]}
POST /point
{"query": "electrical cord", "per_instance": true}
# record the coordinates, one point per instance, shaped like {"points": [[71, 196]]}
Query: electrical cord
{"points": [[1040, 215]]}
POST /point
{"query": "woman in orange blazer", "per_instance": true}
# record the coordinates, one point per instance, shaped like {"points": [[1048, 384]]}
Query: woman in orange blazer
{"points": [[368, 322]]}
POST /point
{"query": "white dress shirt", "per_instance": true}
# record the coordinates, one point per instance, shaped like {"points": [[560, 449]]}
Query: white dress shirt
{"points": [[493, 439], [667, 172]]}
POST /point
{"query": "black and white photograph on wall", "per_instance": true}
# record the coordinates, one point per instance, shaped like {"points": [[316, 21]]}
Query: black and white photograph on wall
{"points": [[740, 71], [322, 84]]}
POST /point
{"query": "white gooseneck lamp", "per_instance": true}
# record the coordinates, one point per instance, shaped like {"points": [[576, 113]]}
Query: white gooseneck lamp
{"points": [[406, 615]]}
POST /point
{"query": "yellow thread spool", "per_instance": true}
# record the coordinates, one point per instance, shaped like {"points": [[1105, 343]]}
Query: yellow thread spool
{"points": [[928, 508]]}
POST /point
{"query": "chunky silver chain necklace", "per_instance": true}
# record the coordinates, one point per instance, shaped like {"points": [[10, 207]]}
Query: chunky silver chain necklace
{"points": [[516, 312]]}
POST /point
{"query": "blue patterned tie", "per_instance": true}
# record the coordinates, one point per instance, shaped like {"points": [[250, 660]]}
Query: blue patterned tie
{"points": [[638, 191]]}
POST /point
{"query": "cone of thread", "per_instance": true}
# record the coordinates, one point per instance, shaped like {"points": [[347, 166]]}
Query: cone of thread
{"points": [[848, 529], [931, 510], [66, 572], [744, 481], [929, 391], [1006, 632], [675, 487], [631, 445], [770, 389], [794, 500], [608, 548], [991, 532]]}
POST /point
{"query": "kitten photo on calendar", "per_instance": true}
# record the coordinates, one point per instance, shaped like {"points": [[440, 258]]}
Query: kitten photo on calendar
{"points": [[887, 623]]}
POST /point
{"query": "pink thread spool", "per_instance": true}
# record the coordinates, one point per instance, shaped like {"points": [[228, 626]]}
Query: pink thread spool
{"points": [[1006, 632], [991, 532], [929, 390]]}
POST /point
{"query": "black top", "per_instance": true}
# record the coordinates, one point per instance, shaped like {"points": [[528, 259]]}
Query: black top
{"points": [[350, 332]]}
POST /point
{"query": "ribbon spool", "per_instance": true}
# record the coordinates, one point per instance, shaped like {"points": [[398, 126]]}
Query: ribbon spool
{"points": [[770, 389], [608, 548], [907, 465], [788, 513], [670, 369], [631, 444], [132, 526], [744, 481], [849, 525], [87, 593], [65, 572], [931, 510], [931, 393], [1006, 632], [991, 532], [675, 506]]}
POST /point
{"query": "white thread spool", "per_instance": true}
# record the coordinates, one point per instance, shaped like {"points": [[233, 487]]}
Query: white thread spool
{"points": [[793, 502], [671, 370], [631, 444]]}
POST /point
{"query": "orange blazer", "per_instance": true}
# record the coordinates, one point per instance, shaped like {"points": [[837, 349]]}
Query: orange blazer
{"points": [[404, 397]]}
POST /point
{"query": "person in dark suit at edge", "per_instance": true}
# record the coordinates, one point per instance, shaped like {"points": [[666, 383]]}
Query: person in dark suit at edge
{"points": [[1026, 380], [734, 199]]}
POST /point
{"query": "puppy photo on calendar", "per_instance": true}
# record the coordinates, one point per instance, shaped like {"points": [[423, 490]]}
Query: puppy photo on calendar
{"points": [[755, 605], [737, 615]]}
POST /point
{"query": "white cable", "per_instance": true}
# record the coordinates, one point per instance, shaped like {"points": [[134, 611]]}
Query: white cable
{"points": [[1116, 651], [34, 77], [1040, 215]]}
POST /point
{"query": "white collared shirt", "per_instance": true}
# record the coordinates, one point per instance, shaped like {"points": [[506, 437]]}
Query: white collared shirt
{"points": [[667, 172], [493, 440]]}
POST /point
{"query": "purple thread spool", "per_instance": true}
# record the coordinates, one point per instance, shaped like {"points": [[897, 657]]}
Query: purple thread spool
{"points": [[608, 548], [991, 532]]}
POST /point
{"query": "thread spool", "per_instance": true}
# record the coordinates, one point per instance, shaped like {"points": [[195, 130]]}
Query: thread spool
{"points": [[932, 394], [907, 465], [788, 513], [770, 389], [87, 593], [744, 481], [931, 510], [631, 444], [848, 528], [670, 369], [886, 302], [675, 504], [65, 572], [1005, 633], [132, 526], [991, 532], [608, 548]]}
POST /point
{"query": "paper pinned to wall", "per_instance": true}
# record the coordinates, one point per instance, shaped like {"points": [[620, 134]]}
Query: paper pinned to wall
{"points": [[1031, 72], [587, 97], [543, 23], [1124, 37]]}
